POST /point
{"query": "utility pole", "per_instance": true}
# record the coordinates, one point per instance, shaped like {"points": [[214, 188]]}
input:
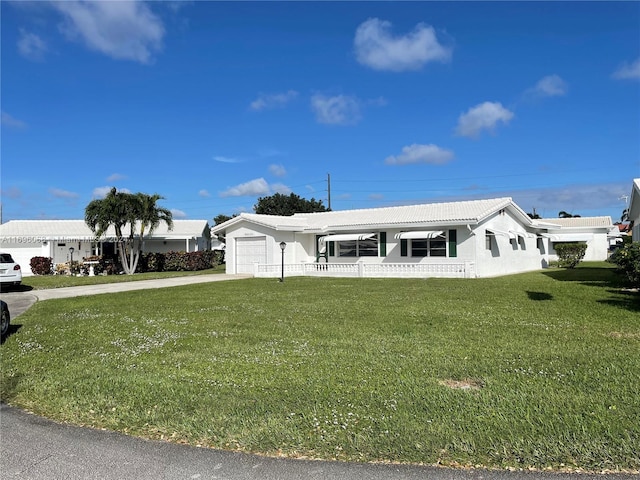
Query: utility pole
{"points": [[329, 190]]}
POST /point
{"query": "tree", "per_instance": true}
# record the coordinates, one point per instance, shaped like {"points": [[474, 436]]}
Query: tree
{"points": [[222, 218], [570, 254], [149, 218], [563, 214], [280, 204], [127, 211], [534, 215]]}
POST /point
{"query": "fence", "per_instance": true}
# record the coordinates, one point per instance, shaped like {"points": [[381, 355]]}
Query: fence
{"points": [[371, 270]]}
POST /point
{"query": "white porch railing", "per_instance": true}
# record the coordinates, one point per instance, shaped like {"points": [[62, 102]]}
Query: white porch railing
{"points": [[371, 270]]}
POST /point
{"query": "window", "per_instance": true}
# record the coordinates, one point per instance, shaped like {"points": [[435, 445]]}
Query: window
{"points": [[431, 247], [358, 248], [488, 240]]}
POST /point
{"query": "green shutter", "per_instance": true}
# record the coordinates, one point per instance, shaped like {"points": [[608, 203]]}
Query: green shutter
{"points": [[332, 251], [383, 244], [453, 243], [403, 248]]}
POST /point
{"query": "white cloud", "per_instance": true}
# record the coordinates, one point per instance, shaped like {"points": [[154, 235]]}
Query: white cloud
{"points": [[204, 193], [338, 110], [274, 100], [11, 192], [178, 213], [628, 71], [280, 188], [222, 159], [258, 186], [430, 154], [122, 30], [376, 47], [484, 116], [9, 121], [277, 170], [31, 46], [550, 86], [376, 196], [114, 177], [64, 194], [101, 192]]}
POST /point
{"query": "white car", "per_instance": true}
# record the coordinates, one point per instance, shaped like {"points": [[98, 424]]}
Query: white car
{"points": [[10, 272]]}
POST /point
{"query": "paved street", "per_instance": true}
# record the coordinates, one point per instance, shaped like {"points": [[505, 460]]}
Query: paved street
{"points": [[33, 448]]}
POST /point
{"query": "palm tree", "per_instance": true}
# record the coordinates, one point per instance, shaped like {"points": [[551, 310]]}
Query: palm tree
{"points": [[149, 217], [119, 209]]}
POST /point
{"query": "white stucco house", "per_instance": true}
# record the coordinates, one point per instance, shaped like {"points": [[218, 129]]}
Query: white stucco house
{"points": [[634, 210], [469, 239], [599, 233], [25, 239]]}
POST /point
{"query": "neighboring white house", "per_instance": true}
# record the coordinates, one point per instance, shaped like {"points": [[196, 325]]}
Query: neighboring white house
{"points": [[25, 239], [634, 210], [599, 233], [480, 238]]}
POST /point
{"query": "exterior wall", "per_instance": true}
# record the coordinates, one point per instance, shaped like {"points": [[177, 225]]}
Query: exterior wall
{"points": [[164, 246], [507, 256], [597, 247], [295, 251]]}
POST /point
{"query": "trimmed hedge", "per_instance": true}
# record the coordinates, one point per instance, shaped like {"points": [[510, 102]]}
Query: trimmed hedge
{"points": [[41, 265], [570, 254], [179, 261]]}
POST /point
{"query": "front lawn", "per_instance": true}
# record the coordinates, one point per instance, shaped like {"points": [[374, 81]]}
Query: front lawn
{"points": [[39, 282], [533, 370]]}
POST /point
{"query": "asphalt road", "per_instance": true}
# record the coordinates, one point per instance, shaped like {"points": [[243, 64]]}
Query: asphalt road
{"points": [[34, 448]]}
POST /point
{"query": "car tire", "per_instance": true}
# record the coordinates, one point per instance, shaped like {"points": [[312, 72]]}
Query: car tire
{"points": [[5, 320]]}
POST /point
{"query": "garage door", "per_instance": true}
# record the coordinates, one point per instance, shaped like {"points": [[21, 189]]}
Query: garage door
{"points": [[250, 250]]}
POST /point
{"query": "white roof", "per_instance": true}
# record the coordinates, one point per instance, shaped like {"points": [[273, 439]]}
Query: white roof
{"points": [[578, 222], [430, 214], [51, 229]]}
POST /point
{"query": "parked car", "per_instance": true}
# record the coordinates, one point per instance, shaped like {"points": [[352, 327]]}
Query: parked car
{"points": [[6, 318], [10, 272]]}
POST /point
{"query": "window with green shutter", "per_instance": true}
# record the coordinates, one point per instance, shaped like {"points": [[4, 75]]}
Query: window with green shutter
{"points": [[403, 247], [453, 243], [383, 244]]}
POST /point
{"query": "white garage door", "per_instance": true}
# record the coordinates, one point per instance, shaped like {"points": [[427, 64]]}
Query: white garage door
{"points": [[249, 251]]}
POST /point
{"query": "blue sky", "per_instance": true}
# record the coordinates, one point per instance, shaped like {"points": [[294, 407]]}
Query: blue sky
{"points": [[215, 104]]}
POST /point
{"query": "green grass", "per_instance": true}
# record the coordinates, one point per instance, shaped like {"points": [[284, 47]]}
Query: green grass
{"points": [[351, 369], [58, 281]]}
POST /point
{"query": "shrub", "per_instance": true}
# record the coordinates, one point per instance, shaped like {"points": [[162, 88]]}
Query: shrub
{"points": [[570, 254], [189, 261], [41, 265], [151, 262], [627, 260]]}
